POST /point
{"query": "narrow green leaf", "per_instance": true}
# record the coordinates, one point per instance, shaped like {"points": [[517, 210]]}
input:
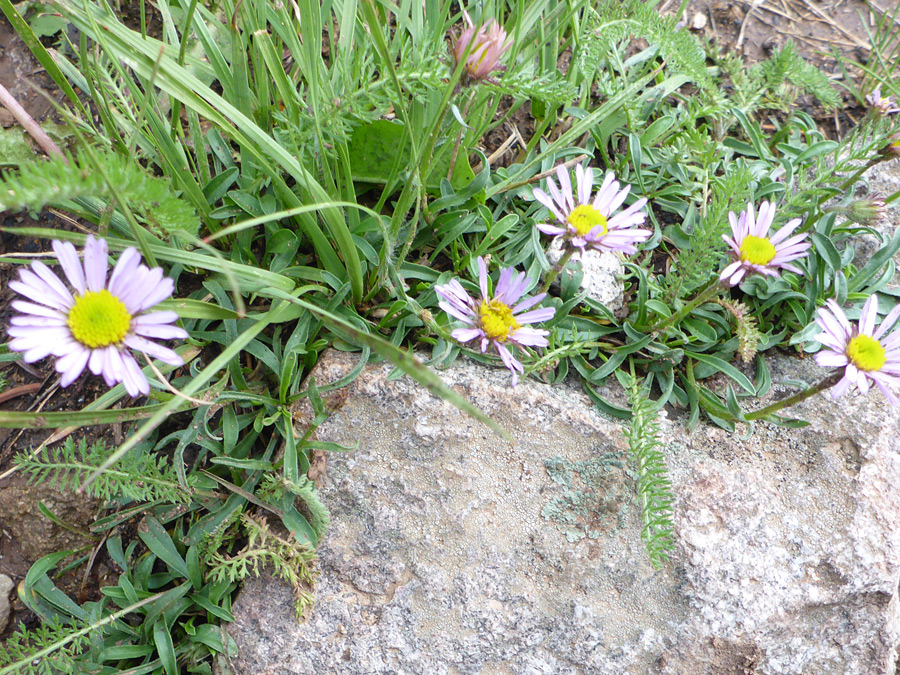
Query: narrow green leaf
{"points": [[154, 535]]}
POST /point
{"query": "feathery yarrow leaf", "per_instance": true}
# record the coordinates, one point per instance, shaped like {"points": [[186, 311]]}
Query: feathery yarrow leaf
{"points": [[653, 484], [139, 477], [54, 181]]}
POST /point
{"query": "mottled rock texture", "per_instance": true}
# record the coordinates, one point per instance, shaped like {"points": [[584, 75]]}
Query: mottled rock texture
{"points": [[6, 586], [452, 551]]}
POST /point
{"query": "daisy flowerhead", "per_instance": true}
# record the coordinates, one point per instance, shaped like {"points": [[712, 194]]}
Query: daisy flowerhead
{"points": [[865, 353], [884, 106], [488, 45], [584, 222], [94, 322], [500, 320], [756, 251]]}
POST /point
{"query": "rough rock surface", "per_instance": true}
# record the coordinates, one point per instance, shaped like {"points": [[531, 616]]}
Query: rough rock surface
{"points": [[6, 586], [452, 551]]}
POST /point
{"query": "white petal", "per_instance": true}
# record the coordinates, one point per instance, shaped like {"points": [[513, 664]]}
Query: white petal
{"points": [[157, 351], [159, 331], [888, 322], [71, 265], [36, 310], [123, 271], [868, 316], [96, 257], [72, 365], [133, 377]]}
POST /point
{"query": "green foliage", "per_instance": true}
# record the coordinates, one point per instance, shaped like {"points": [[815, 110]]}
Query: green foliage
{"points": [[288, 559], [273, 488], [612, 22], [14, 147], [139, 477], [314, 174], [774, 82], [58, 181], [746, 329], [20, 647], [703, 251], [654, 489]]}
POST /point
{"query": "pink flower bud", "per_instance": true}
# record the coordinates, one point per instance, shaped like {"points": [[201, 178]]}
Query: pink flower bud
{"points": [[488, 44]]}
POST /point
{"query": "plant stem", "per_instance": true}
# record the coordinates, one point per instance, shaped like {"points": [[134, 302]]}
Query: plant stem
{"points": [[850, 181], [828, 382], [459, 137], [706, 294], [27, 121], [556, 269]]}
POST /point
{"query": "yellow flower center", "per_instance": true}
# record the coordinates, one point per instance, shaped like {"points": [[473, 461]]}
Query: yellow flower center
{"points": [[497, 320], [585, 218], [866, 353], [757, 250], [98, 319]]}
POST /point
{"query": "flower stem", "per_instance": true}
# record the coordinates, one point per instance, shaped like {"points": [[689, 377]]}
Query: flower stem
{"points": [[852, 180], [703, 296], [556, 269], [828, 382]]}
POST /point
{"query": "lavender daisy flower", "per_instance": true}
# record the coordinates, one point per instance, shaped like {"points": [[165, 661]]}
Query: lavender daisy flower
{"points": [[592, 224], [95, 326], [499, 320], [489, 44], [862, 350], [884, 106], [756, 251]]}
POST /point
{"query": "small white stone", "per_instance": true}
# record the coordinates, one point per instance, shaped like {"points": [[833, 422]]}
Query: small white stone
{"points": [[602, 274], [699, 22]]}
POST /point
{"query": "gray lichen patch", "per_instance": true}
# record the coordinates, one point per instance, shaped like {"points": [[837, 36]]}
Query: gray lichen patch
{"points": [[592, 499]]}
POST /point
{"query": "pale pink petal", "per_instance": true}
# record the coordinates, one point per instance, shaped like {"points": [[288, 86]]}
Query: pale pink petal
{"points": [[888, 322], [482, 277], [159, 331], [868, 316], [530, 337], [124, 270], [536, 315], [831, 359], [71, 265], [466, 334], [154, 350], [72, 365], [96, 256]]}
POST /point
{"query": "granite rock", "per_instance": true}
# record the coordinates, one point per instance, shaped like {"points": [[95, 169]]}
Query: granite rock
{"points": [[6, 587], [452, 551]]}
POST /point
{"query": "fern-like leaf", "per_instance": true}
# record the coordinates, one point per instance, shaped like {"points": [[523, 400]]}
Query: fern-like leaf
{"points": [[19, 648], [290, 560], [57, 181], [137, 477], [653, 484]]}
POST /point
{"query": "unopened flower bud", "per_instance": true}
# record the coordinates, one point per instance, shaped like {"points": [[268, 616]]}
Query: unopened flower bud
{"points": [[488, 44], [866, 211]]}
